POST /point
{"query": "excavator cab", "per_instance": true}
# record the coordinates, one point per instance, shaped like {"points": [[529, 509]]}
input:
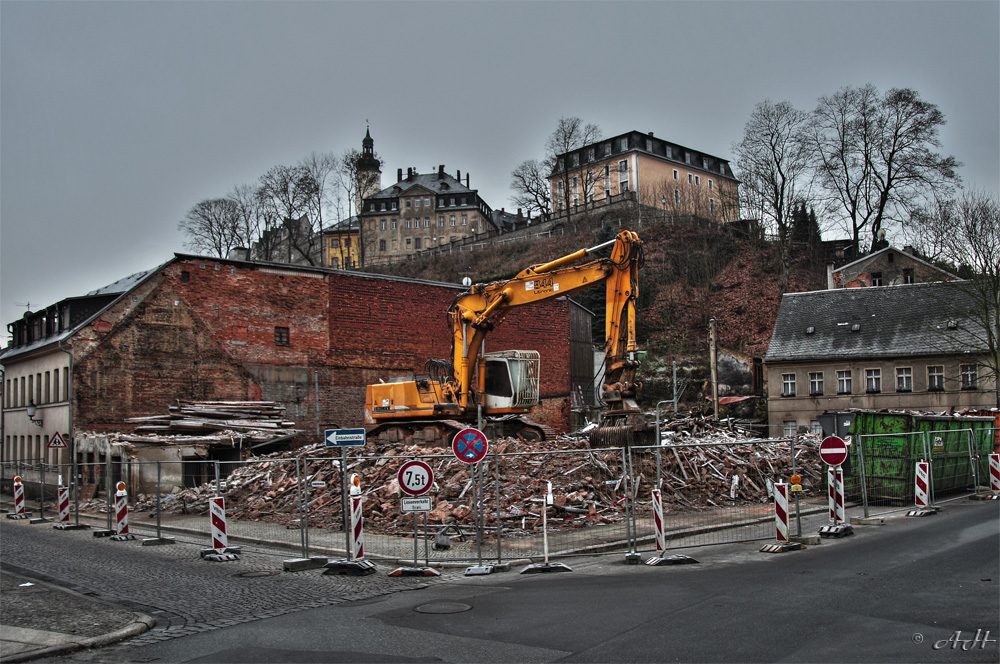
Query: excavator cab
{"points": [[511, 381]]}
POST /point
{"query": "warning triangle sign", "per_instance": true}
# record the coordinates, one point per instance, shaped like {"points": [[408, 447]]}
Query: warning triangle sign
{"points": [[56, 442]]}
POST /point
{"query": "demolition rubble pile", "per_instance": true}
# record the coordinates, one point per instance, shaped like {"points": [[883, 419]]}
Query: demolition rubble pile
{"points": [[702, 465]]}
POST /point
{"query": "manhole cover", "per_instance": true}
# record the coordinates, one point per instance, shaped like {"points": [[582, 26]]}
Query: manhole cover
{"points": [[442, 607], [256, 573]]}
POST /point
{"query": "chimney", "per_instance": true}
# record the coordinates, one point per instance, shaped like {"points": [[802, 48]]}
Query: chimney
{"points": [[830, 283], [409, 174], [467, 179], [441, 172], [908, 249], [458, 175], [399, 175], [520, 217]]}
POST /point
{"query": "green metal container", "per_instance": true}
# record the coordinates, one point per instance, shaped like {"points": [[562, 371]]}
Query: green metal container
{"points": [[892, 443]]}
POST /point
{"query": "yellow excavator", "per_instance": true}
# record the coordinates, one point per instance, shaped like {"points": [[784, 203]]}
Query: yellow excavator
{"points": [[500, 387]]}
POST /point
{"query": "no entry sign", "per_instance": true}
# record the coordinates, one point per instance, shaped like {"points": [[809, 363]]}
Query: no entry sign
{"points": [[833, 450]]}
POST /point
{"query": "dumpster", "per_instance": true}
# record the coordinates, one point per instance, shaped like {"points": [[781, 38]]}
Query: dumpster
{"points": [[891, 442]]}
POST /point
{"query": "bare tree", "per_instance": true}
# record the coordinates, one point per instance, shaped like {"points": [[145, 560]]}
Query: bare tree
{"points": [[289, 191], [875, 157], [320, 167], [966, 233], [774, 170], [569, 134], [212, 226], [530, 183], [254, 219]]}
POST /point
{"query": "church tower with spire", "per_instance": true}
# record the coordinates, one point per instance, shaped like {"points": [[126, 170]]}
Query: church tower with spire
{"points": [[369, 171]]}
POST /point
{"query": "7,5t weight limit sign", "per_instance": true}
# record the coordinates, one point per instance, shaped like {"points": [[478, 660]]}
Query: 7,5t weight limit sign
{"points": [[415, 478]]}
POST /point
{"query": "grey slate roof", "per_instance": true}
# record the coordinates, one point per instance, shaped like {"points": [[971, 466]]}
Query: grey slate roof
{"points": [[892, 321], [443, 184]]}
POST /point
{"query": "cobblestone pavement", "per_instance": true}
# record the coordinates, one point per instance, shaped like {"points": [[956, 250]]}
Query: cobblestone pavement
{"points": [[174, 585]]}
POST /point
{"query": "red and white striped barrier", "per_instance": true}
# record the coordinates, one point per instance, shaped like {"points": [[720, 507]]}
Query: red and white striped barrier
{"points": [[781, 512], [121, 512], [18, 512], [64, 504], [995, 473], [922, 485], [217, 508], [839, 516], [661, 540], [831, 486], [357, 529]]}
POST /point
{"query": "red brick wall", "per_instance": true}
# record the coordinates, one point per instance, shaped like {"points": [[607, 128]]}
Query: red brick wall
{"points": [[211, 335]]}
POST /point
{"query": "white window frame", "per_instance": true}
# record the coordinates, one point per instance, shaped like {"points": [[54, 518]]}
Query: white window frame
{"points": [[815, 383], [970, 376], [788, 385], [904, 379], [935, 377], [873, 381], [845, 382]]}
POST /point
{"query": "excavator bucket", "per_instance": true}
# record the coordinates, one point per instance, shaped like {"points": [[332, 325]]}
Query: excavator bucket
{"points": [[622, 429]]}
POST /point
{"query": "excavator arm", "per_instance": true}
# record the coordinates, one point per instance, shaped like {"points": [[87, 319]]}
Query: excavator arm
{"points": [[483, 307]]}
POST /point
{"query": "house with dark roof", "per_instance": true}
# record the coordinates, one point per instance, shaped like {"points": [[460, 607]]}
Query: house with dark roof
{"points": [[909, 347], [658, 173], [420, 212], [887, 267]]}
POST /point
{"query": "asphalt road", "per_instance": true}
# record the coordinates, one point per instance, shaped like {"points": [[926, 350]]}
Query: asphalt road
{"points": [[915, 589]]}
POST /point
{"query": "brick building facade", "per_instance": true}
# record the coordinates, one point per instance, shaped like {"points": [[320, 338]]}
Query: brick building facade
{"points": [[212, 329]]}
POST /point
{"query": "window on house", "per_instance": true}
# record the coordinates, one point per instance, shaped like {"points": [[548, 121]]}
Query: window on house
{"points": [[334, 242], [371, 208], [47, 392], [452, 202], [576, 160], [441, 221], [697, 180], [185, 276], [677, 196], [789, 428], [788, 385], [970, 376], [876, 278], [409, 202], [815, 383], [55, 385], [904, 379], [409, 223], [873, 381], [687, 157], [624, 143], [649, 145], [815, 427], [844, 385], [722, 168], [908, 276], [590, 154], [334, 263], [395, 224], [711, 205], [607, 149], [465, 220], [690, 178], [427, 201], [409, 242], [670, 153], [381, 245], [394, 205], [382, 224], [935, 377], [677, 174], [711, 184], [416, 243], [280, 336], [452, 220], [607, 180]]}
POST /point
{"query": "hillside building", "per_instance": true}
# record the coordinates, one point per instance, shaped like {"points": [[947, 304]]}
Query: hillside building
{"points": [[658, 173]]}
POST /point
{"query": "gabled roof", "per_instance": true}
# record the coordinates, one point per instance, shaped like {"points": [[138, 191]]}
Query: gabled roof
{"points": [[883, 321], [437, 183], [884, 250]]}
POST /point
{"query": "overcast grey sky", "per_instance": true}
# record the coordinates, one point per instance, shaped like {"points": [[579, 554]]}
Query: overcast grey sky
{"points": [[117, 117]]}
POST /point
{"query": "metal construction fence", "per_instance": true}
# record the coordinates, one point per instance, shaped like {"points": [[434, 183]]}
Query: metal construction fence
{"points": [[711, 493]]}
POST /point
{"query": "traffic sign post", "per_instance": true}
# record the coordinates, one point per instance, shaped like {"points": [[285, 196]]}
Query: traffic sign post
{"points": [[415, 478], [833, 451], [470, 446]]}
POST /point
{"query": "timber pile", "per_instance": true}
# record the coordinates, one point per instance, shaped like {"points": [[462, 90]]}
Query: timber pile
{"points": [[219, 422], [708, 466]]}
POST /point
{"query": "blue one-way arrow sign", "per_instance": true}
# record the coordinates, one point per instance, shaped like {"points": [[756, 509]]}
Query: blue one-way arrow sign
{"points": [[344, 437]]}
